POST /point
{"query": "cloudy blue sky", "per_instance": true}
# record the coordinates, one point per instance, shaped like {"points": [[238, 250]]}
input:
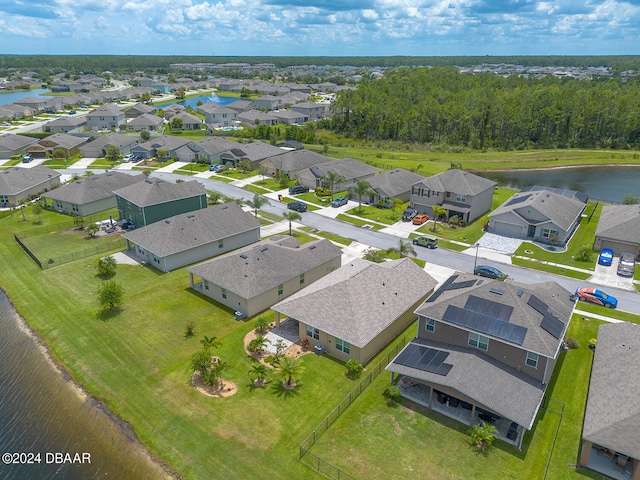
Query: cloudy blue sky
{"points": [[320, 27]]}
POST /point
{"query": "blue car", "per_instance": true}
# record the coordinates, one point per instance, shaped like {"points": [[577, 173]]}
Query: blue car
{"points": [[593, 295], [606, 257], [489, 272], [339, 201]]}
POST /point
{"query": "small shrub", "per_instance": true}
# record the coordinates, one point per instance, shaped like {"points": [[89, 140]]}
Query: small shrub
{"points": [[392, 393], [354, 368], [572, 343], [262, 324], [592, 343], [322, 192], [482, 435], [584, 254], [189, 330]]}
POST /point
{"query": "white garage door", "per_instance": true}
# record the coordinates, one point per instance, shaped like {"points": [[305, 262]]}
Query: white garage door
{"points": [[509, 229]]}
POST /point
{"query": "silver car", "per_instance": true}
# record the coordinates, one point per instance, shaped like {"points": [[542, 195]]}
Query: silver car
{"points": [[626, 264]]}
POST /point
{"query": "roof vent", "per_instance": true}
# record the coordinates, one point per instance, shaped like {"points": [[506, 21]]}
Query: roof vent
{"points": [[480, 282], [191, 216], [242, 255], [312, 247], [519, 293], [496, 291], [224, 207], [167, 221], [264, 249]]}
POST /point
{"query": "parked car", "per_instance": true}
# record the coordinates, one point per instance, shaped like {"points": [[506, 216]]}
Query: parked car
{"points": [[129, 157], [605, 257], [428, 241], [593, 295], [626, 264], [297, 206], [296, 189], [420, 218], [339, 201], [72, 112], [409, 214], [216, 168], [489, 272], [27, 158]]}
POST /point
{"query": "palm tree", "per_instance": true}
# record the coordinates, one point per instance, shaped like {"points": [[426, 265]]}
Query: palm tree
{"points": [[258, 373], [403, 249], [257, 344], [362, 187], [437, 212], [332, 178], [395, 203], [291, 216], [210, 342], [290, 370], [213, 198], [257, 202]]}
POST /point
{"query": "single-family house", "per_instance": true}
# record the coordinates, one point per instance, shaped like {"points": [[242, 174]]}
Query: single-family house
{"points": [[216, 116], [356, 310], [254, 118], [460, 193], [35, 104], [313, 110], [391, 184], [154, 200], [293, 162], [146, 121], [290, 117], [139, 109], [172, 110], [610, 442], [18, 183], [97, 148], [208, 149], [540, 215], [189, 121], [194, 236], [252, 279], [168, 143], [105, 117], [12, 144], [485, 350], [348, 168], [89, 195], [268, 102], [255, 152], [66, 124], [241, 106], [619, 229], [69, 144]]}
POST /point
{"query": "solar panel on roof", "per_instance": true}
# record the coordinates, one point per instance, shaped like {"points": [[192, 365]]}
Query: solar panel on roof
{"points": [[486, 324], [489, 307], [537, 304], [450, 284], [517, 200], [424, 358], [552, 325]]}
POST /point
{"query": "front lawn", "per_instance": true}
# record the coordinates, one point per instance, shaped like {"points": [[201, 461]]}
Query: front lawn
{"points": [[545, 267], [359, 222], [387, 216]]}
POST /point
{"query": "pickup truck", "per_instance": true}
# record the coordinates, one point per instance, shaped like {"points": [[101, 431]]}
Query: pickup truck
{"points": [[428, 241]]}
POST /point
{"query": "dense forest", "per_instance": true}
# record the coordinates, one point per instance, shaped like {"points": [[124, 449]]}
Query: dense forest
{"points": [[160, 63], [442, 106]]}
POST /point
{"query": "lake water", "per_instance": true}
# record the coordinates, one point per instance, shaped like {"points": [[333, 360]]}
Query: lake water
{"points": [[42, 412], [9, 98], [600, 183], [193, 102]]}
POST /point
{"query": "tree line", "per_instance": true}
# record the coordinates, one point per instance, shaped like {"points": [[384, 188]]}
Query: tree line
{"points": [[442, 106]]}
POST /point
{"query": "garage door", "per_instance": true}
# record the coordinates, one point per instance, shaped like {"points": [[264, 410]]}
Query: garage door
{"points": [[619, 247], [508, 229]]}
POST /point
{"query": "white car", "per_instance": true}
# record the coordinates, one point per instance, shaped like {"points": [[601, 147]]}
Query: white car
{"points": [[129, 157]]}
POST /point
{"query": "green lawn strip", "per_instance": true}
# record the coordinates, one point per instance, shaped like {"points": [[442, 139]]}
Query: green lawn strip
{"points": [[381, 215], [269, 184], [184, 171], [607, 312], [63, 243], [222, 179], [270, 216], [136, 362], [567, 272], [359, 222], [330, 236], [300, 236], [375, 440], [452, 246], [417, 261], [311, 197], [104, 163], [237, 174], [252, 188]]}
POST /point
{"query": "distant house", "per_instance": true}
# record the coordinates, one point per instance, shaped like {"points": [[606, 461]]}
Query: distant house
{"points": [[356, 310], [46, 147], [172, 110], [97, 148], [208, 149], [139, 109], [255, 152], [105, 117], [290, 117], [148, 122], [35, 104], [315, 111], [11, 144], [268, 102], [154, 200], [168, 143], [241, 106], [485, 351], [18, 183], [256, 277], [66, 124], [89, 195], [254, 118], [189, 122], [193, 237], [619, 229], [460, 193], [216, 116], [391, 184], [610, 444], [350, 169], [540, 215], [293, 162]]}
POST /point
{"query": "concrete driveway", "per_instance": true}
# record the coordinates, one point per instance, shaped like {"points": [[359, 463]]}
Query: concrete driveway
{"points": [[607, 276]]}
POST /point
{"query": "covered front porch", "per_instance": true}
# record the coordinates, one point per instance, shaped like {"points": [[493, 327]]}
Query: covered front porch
{"points": [[465, 412], [608, 462]]}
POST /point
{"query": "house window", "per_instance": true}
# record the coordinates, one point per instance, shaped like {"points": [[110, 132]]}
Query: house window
{"points": [[4, 198], [341, 345], [430, 325], [479, 341], [302, 279], [532, 359], [220, 243], [224, 293], [547, 232], [280, 289], [461, 198], [426, 192], [74, 207], [415, 191], [313, 332], [206, 284], [436, 194]]}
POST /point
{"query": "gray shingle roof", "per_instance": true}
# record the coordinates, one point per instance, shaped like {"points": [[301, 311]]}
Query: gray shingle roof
{"points": [[268, 264], [255, 150], [214, 145], [96, 187], [165, 142], [620, 222], [612, 416], [146, 119], [394, 182], [360, 299], [15, 142], [562, 211], [107, 109], [16, 180], [189, 230], [296, 160], [154, 191], [66, 122], [458, 181], [536, 339], [111, 139], [347, 167]]}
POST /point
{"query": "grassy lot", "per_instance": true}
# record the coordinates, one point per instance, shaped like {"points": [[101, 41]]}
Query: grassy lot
{"points": [[357, 221], [104, 163], [252, 188], [559, 270], [310, 197], [235, 174], [268, 183], [383, 215], [607, 312], [57, 244], [330, 236], [375, 440]]}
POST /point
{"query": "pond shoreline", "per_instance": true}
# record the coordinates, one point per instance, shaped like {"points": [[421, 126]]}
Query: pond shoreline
{"points": [[555, 167]]}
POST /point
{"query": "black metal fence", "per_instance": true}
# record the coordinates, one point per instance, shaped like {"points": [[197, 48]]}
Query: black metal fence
{"points": [[28, 252], [320, 465], [54, 227], [87, 252]]}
